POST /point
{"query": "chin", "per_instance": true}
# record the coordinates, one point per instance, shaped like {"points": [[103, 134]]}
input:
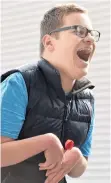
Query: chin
{"points": [[80, 74]]}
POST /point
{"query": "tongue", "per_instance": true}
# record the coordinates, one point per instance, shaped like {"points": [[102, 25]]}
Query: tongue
{"points": [[83, 54]]}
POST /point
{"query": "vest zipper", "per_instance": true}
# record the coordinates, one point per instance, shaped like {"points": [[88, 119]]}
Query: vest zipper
{"points": [[67, 112]]}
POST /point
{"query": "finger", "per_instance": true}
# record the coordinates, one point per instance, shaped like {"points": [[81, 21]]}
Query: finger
{"points": [[55, 177], [51, 166], [50, 177], [44, 164], [58, 177], [47, 167], [56, 169]]}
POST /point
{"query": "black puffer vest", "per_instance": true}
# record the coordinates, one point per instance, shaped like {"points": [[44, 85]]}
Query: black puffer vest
{"points": [[50, 111]]}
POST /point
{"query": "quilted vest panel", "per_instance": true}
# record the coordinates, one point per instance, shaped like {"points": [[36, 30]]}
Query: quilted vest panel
{"points": [[49, 110]]}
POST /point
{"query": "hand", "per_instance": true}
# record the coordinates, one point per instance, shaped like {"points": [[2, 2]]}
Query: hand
{"points": [[70, 159], [53, 154]]}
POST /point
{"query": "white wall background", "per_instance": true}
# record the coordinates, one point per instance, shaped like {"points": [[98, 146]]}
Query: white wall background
{"points": [[20, 45]]}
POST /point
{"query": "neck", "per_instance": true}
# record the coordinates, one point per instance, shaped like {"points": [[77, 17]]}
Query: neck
{"points": [[67, 83]]}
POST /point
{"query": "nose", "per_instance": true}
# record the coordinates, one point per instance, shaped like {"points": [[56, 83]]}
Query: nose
{"points": [[89, 39]]}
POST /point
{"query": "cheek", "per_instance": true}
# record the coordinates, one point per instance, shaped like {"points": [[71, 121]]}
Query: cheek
{"points": [[66, 47], [66, 43]]}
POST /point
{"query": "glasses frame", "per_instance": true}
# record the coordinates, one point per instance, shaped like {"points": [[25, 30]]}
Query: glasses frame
{"points": [[75, 27]]}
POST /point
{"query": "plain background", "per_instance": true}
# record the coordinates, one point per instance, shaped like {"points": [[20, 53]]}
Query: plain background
{"points": [[20, 45]]}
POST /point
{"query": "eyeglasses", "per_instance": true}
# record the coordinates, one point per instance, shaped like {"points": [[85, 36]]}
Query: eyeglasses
{"points": [[80, 31]]}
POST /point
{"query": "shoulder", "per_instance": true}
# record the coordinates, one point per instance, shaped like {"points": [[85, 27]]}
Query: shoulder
{"points": [[14, 86], [14, 78]]}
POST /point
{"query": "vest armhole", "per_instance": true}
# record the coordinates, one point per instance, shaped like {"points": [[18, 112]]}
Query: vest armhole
{"points": [[8, 73]]}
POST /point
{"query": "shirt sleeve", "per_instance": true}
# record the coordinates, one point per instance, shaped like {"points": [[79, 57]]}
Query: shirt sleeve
{"points": [[14, 101], [86, 147]]}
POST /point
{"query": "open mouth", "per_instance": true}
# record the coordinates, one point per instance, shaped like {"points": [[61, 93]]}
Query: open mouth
{"points": [[84, 54]]}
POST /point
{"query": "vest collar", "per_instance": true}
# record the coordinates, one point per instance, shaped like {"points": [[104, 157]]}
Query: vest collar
{"points": [[53, 78]]}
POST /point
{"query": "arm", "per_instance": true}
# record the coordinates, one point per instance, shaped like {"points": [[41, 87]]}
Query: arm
{"points": [[13, 109], [13, 152]]}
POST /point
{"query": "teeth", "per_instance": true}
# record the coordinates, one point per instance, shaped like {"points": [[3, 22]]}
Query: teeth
{"points": [[85, 49]]}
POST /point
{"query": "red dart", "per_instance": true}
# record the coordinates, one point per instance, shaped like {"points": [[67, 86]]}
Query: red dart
{"points": [[69, 144]]}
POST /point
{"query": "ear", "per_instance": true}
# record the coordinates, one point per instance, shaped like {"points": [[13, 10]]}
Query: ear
{"points": [[48, 42]]}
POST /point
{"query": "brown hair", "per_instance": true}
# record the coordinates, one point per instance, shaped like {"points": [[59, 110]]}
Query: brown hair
{"points": [[54, 19]]}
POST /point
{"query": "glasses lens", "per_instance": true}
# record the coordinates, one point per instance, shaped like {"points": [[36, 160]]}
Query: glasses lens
{"points": [[95, 34], [81, 31]]}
